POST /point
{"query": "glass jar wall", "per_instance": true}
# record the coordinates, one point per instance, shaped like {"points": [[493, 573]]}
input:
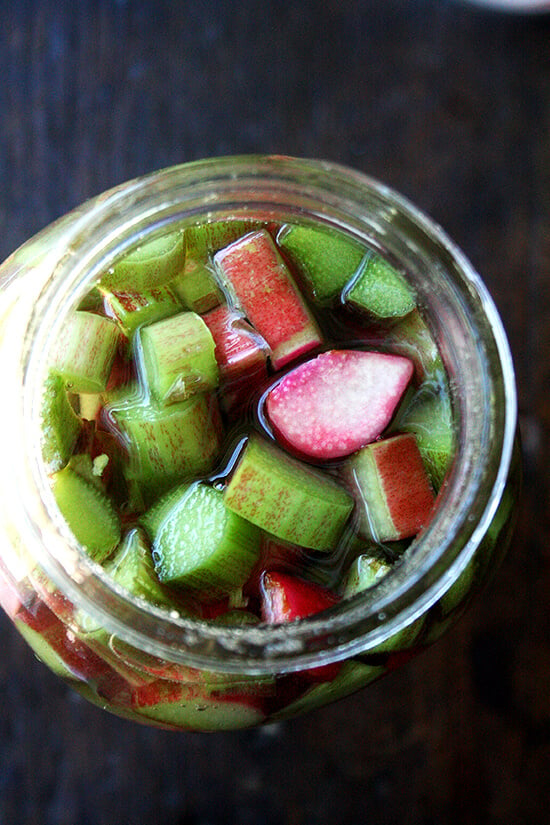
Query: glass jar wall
{"points": [[168, 665]]}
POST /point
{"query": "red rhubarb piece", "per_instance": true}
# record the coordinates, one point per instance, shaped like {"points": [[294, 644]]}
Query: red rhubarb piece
{"points": [[194, 707], [255, 271], [287, 598], [393, 489], [336, 403], [239, 349], [275, 555]]}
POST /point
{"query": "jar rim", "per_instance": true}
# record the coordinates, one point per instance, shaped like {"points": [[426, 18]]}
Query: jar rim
{"points": [[113, 222]]}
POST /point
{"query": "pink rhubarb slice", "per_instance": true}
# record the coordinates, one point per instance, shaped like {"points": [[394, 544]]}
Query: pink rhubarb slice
{"points": [[334, 404], [255, 272], [392, 487]]}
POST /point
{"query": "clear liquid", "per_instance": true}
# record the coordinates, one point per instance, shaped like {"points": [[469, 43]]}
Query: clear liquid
{"points": [[242, 411]]}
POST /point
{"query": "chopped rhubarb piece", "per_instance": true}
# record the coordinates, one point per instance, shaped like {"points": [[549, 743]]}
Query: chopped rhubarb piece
{"points": [[88, 510], [289, 499], [429, 416], [411, 336], [200, 544], [255, 272], [134, 309], [196, 284], [63, 652], [380, 290], [334, 404], [287, 598], [365, 572], [326, 260], [394, 492], [85, 350], [275, 554], [176, 358], [352, 676], [239, 349], [60, 425], [165, 445], [151, 264], [132, 568], [241, 355], [192, 707]]}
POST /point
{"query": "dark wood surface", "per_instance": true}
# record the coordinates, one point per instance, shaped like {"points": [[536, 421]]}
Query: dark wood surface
{"points": [[448, 104]]}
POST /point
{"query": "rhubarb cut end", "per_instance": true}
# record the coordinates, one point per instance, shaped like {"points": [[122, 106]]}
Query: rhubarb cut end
{"points": [[326, 260], [396, 499]]}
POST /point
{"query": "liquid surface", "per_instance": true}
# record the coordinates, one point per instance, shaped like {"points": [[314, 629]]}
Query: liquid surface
{"points": [[284, 368]]}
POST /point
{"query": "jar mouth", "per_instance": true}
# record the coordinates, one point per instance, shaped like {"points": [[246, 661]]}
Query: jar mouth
{"points": [[475, 346]]}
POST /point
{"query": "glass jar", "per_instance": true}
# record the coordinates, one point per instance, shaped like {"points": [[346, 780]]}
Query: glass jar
{"points": [[162, 668]]}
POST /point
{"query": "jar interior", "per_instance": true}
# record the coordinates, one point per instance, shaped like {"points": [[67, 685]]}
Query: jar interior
{"points": [[459, 313]]}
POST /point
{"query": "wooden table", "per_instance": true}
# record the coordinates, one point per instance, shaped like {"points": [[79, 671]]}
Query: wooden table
{"points": [[451, 106]]}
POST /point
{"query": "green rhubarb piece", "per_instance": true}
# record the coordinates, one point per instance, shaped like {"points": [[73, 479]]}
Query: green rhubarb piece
{"points": [[44, 651], [60, 425], [196, 287], [404, 639], [218, 234], [132, 568], [176, 358], [287, 498], [380, 290], [133, 310], [458, 592], [412, 337], [196, 284], [91, 470], [85, 351], [192, 711], [203, 546], [364, 573], [154, 517], [92, 301], [166, 445], [151, 264], [351, 677], [325, 259], [88, 512], [237, 618], [429, 416]]}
